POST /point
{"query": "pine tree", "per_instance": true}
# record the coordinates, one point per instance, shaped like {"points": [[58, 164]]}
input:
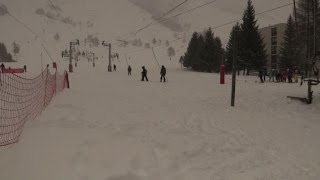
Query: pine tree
{"points": [[167, 43], [289, 53], [230, 48], [219, 54], [209, 52], [9, 58], [154, 41], [251, 47], [16, 48], [4, 55], [171, 52], [190, 54], [199, 63], [305, 29]]}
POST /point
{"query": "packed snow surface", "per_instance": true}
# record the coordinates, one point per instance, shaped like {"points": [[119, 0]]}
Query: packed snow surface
{"points": [[111, 126]]}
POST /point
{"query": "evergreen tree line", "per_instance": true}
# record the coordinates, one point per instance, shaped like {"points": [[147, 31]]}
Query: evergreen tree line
{"points": [[204, 53], [5, 56], [246, 44], [299, 48], [297, 51]]}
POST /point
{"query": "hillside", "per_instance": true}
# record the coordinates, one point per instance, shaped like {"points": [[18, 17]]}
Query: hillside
{"points": [[70, 20], [115, 20]]}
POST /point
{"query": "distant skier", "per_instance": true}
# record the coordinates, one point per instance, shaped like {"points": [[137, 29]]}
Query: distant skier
{"points": [[144, 74], [163, 74], [25, 68], [265, 73], [114, 67], [2, 67], [129, 70], [261, 73]]}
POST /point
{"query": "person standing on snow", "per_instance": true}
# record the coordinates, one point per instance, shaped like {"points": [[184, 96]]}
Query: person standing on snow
{"points": [[144, 74], [163, 74], [261, 73], [129, 70], [114, 67], [2, 67], [265, 73]]}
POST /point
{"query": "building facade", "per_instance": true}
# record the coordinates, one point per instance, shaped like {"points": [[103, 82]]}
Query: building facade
{"points": [[273, 37]]}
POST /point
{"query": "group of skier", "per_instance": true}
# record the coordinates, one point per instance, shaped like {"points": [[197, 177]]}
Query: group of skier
{"points": [[288, 75], [144, 73]]}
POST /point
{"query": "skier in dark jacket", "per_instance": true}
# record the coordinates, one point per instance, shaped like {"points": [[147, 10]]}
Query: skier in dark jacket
{"points": [[129, 70], [114, 67], [261, 73], [144, 74], [163, 74], [2, 67]]}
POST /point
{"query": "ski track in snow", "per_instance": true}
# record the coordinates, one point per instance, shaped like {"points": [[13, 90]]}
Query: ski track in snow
{"points": [[109, 126]]}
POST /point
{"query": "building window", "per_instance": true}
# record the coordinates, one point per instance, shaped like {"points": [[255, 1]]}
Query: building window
{"points": [[274, 32], [274, 40], [273, 49]]}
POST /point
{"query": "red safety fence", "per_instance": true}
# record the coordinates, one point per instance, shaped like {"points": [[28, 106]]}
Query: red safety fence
{"points": [[13, 70], [22, 100]]}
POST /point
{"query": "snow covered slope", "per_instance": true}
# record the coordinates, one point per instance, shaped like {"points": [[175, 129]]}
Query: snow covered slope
{"points": [[109, 126]]}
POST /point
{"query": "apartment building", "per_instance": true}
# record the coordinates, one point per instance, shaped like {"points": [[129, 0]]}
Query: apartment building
{"points": [[273, 38]]}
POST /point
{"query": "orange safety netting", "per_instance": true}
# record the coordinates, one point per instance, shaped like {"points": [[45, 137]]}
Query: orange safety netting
{"points": [[24, 99]]}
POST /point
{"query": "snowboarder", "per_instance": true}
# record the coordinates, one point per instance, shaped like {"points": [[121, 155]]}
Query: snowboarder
{"points": [[114, 67], [163, 74], [144, 74], [129, 70]]}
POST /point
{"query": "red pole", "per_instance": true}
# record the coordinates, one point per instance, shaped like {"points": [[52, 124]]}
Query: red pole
{"points": [[222, 74]]}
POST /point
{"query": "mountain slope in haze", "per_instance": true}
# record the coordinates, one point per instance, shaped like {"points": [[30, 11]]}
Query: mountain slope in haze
{"points": [[73, 19], [115, 20], [214, 14]]}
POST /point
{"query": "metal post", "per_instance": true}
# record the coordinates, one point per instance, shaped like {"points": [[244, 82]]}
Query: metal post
{"points": [[94, 64], [155, 57], [308, 38], [70, 54], [234, 69], [315, 28], [126, 59], [70, 58], [109, 66], [41, 66]]}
